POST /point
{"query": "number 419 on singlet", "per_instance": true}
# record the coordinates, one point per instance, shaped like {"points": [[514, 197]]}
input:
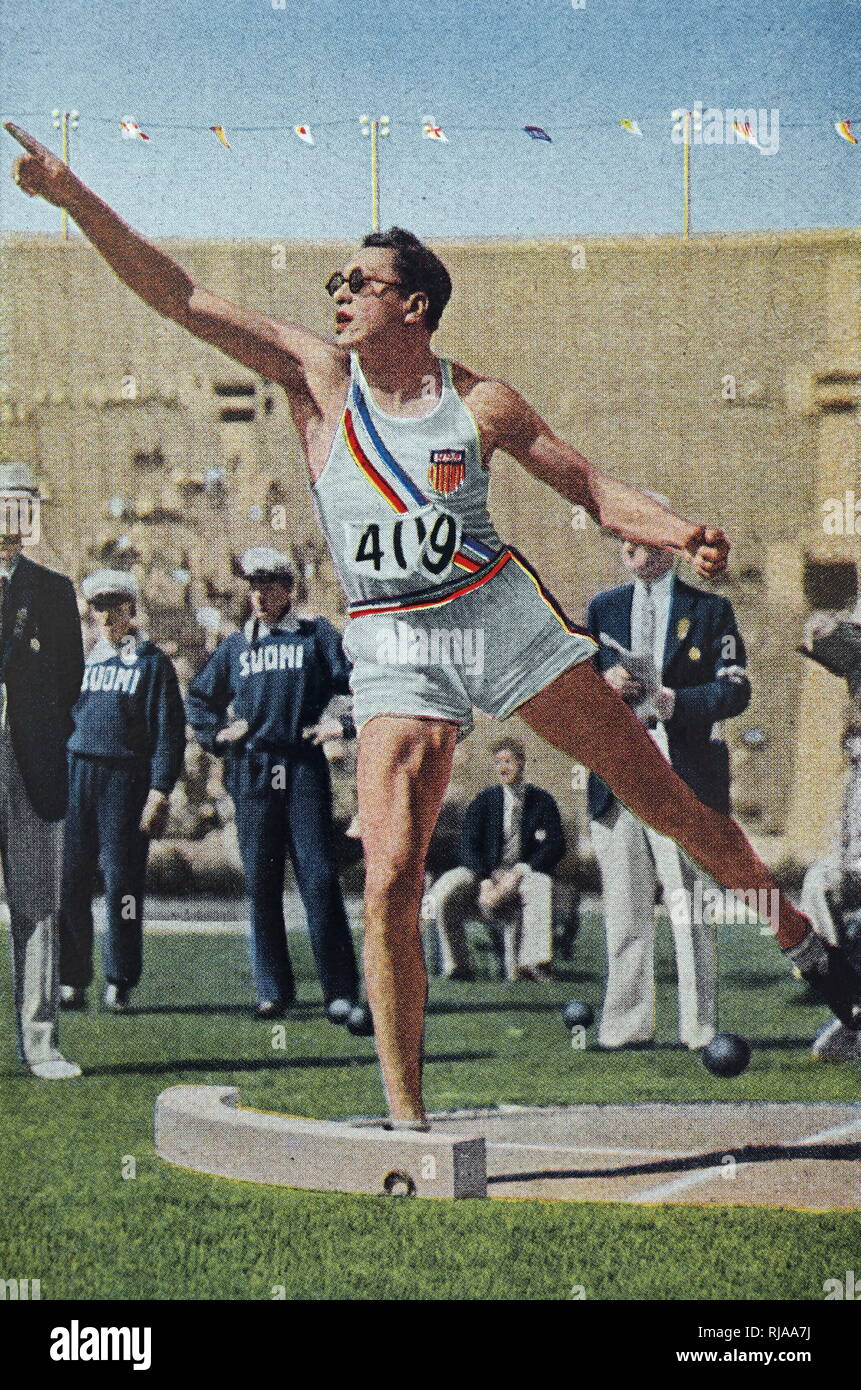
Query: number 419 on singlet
{"points": [[422, 543]]}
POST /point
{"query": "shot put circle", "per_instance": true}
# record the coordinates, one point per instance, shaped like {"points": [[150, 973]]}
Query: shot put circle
{"points": [[727, 1054], [399, 1184], [577, 1013]]}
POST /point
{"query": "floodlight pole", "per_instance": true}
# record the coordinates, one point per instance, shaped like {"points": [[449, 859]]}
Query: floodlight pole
{"points": [[686, 179], [375, 128], [64, 121]]}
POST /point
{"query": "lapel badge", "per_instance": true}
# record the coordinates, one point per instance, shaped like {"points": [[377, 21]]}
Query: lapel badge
{"points": [[35, 644], [694, 653], [683, 627]]}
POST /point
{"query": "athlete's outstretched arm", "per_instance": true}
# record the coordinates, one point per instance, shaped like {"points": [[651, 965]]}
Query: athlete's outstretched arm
{"points": [[518, 429], [275, 350]]}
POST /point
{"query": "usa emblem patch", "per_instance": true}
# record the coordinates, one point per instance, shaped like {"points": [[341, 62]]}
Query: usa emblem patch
{"points": [[447, 470]]}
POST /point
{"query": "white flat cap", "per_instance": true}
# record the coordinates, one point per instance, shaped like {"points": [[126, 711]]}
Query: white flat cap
{"points": [[261, 560], [16, 477], [109, 582]]}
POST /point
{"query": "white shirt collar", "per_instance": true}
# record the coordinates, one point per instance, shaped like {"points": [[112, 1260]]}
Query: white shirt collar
{"points": [[660, 588], [106, 651]]}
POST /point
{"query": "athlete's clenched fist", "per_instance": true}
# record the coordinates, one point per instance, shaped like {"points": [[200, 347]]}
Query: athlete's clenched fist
{"points": [[708, 549]]}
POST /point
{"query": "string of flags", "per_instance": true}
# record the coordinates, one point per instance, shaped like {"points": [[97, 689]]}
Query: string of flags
{"points": [[431, 129], [130, 130]]}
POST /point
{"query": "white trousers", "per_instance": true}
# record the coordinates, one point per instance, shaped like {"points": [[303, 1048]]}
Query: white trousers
{"points": [[31, 851], [822, 877], [633, 858], [529, 914]]}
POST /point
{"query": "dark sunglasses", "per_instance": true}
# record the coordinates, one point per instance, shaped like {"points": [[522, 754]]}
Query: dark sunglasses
{"points": [[105, 602], [356, 281]]}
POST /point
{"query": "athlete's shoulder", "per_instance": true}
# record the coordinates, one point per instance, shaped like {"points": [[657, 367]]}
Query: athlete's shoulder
{"points": [[472, 386], [500, 412]]}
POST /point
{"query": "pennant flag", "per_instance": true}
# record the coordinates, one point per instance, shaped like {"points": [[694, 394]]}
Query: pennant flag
{"points": [[632, 126], [537, 132], [743, 129], [130, 130], [304, 133], [219, 131], [431, 131], [844, 128]]}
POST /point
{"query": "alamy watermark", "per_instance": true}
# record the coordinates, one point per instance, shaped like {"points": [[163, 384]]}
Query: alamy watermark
{"points": [[731, 126], [402, 645], [20, 515], [707, 905]]}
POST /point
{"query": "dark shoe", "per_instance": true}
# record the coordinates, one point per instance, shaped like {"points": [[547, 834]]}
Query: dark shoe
{"points": [[462, 974], [360, 1021], [826, 969], [338, 1010], [539, 974], [269, 1008], [116, 998], [72, 997]]}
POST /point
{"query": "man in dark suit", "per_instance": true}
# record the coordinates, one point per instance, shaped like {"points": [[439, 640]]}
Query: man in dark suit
{"points": [[41, 665], [511, 841], [689, 642]]}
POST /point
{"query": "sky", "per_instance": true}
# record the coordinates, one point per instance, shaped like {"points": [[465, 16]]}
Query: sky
{"points": [[481, 68]]}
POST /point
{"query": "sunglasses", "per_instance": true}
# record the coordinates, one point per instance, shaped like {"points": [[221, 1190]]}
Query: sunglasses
{"points": [[356, 281], [105, 602]]}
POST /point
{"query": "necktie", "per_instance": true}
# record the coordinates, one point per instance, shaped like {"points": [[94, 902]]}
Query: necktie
{"points": [[645, 645]]}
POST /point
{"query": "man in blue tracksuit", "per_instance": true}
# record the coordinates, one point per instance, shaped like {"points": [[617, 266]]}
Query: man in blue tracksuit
{"points": [[278, 675], [125, 755]]}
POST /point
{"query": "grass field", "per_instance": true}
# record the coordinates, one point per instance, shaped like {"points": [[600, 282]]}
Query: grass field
{"points": [[72, 1220]]}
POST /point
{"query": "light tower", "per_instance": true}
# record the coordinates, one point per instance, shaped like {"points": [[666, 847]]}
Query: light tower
{"points": [[65, 121], [375, 127]]}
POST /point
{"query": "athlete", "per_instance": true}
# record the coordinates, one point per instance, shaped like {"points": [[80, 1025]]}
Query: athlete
{"points": [[398, 445], [125, 756], [281, 675]]}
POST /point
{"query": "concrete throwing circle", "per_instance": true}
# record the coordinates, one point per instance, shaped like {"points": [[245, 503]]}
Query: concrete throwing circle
{"points": [[801, 1155]]}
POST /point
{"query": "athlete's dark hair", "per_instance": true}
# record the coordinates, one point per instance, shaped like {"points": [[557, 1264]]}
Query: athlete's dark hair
{"points": [[417, 268], [510, 745]]}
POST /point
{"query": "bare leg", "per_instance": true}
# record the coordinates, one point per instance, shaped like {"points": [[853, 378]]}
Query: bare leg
{"points": [[404, 767], [580, 714]]}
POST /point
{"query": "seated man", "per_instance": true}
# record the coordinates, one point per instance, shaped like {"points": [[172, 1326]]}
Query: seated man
{"points": [[511, 841], [689, 659]]}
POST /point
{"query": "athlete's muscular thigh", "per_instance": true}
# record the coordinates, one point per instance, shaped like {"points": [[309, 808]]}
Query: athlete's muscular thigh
{"points": [[403, 770], [584, 717]]}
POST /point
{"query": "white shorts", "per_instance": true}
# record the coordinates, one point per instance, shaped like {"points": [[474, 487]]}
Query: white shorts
{"points": [[492, 648]]}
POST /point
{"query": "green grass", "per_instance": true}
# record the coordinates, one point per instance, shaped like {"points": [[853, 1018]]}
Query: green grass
{"points": [[71, 1220]]}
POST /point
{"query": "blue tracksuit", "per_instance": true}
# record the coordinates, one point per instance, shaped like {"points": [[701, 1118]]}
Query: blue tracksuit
{"points": [[129, 737], [280, 682]]}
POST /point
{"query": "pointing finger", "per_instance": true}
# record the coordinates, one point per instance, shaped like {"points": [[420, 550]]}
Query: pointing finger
{"points": [[31, 145]]}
